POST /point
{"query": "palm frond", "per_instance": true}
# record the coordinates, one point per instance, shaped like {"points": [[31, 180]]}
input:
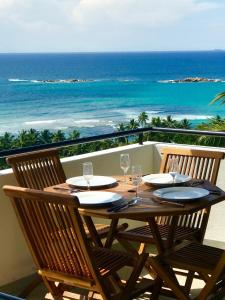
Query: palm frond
{"points": [[219, 97]]}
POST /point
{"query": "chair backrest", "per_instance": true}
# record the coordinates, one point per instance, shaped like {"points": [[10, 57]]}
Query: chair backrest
{"points": [[37, 169], [54, 231], [199, 164]]}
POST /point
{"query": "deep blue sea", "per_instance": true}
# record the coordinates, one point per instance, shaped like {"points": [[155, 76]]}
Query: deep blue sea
{"points": [[119, 86]]}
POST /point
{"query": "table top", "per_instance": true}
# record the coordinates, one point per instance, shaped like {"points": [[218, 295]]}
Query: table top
{"points": [[149, 205]]}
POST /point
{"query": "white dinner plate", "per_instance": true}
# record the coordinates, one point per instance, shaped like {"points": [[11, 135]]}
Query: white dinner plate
{"points": [[163, 179], [95, 182], [96, 198], [181, 193]]}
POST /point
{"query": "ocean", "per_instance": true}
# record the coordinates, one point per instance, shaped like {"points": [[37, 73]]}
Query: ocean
{"points": [[36, 90]]}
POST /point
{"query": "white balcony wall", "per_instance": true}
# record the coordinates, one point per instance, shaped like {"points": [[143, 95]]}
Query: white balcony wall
{"points": [[15, 260]]}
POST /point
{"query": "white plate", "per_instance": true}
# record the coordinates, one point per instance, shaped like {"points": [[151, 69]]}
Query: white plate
{"points": [[181, 193], [96, 181], [97, 198], [162, 179]]}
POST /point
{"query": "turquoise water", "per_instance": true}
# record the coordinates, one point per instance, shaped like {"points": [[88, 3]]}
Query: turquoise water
{"points": [[119, 86]]}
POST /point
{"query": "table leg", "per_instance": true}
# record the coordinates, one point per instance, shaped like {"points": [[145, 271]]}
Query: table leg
{"points": [[92, 230], [156, 235], [171, 232], [111, 233], [161, 247]]}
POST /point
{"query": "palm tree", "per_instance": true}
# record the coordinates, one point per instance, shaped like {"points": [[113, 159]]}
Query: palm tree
{"points": [[74, 135], [219, 97], [46, 136], [184, 123], [21, 140], [32, 137], [156, 121], [121, 127], [170, 122], [133, 124], [214, 124], [142, 118], [123, 139], [6, 141], [58, 136]]}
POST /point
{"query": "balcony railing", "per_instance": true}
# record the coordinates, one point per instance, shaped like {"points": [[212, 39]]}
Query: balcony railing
{"points": [[140, 132]]}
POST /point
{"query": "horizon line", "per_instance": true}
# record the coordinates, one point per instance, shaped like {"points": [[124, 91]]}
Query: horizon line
{"points": [[119, 51]]}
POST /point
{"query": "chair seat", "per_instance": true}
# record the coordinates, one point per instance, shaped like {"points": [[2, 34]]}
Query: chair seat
{"points": [[103, 229], [144, 233], [109, 261], [196, 257]]}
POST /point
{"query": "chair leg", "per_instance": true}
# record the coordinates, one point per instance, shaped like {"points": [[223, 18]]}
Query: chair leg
{"points": [[134, 275], [56, 291], [189, 280], [157, 288], [28, 289], [167, 275]]}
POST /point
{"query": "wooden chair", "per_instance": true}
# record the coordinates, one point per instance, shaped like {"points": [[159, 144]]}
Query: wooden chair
{"points": [[208, 262], [199, 164], [55, 234], [38, 170]]}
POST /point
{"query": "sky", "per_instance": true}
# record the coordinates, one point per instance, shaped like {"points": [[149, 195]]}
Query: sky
{"points": [[111, 25]]}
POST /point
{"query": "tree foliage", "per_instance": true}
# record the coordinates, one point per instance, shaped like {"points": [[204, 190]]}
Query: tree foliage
{"points": [[34, 137], [219, 98]]}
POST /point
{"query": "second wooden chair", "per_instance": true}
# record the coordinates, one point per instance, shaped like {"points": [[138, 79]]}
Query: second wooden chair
{"points": [[199, 164], [54, 232]]}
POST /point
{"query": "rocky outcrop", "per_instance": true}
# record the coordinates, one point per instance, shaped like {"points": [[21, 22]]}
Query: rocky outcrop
{"points": [[73, 80], [192, 79]]}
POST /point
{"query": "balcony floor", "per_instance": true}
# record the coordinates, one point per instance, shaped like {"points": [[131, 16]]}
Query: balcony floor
{"points": [[40, 291]]}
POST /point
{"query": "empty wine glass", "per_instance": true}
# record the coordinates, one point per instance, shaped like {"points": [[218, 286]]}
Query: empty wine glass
{"points": [[125, 164], [88, 172], [136, 173], [173, 165]]}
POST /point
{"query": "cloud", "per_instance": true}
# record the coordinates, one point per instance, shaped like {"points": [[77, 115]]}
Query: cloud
{"points": [[89, 14], [4, 4], [93, 25], [142, 13]]}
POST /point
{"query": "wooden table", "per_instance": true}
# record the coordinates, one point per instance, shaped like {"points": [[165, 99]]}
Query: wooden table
{"points": [[147, 209]]}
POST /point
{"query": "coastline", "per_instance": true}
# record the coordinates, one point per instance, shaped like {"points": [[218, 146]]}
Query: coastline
{"points": [[87, 127]]}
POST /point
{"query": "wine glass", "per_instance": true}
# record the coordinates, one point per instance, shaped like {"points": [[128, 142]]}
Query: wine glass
{"points": [[173, 165], [136, 173], [88, 172], [125, 164]]}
